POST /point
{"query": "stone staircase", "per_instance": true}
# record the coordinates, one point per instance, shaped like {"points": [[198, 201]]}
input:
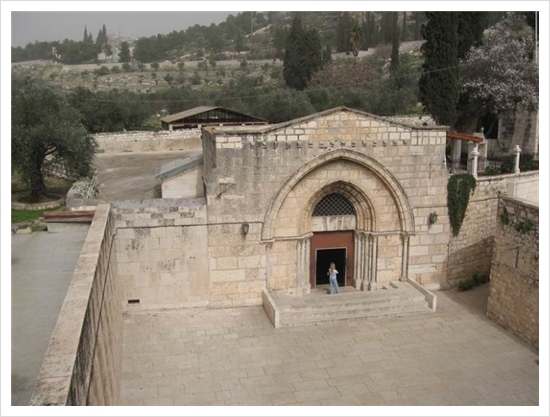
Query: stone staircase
{"points": [[396, 299]]}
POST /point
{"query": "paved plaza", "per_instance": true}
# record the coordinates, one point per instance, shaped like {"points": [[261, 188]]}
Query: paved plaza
{"points": [[42, 266], [235, 357]]}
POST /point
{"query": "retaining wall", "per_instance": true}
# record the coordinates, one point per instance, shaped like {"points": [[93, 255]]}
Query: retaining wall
{"points": [[83, 363], [514, 288], [471, 251], [162, 141]]}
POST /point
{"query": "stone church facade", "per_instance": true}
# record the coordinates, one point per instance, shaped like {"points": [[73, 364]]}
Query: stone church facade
{"points": [[278, 203]]}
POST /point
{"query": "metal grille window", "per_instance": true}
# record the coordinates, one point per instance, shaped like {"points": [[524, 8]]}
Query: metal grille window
{"points": [[334, 205]]}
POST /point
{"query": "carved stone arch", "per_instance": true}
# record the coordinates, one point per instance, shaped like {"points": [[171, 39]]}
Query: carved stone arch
{"points": [[397, 192], [365, 210]]}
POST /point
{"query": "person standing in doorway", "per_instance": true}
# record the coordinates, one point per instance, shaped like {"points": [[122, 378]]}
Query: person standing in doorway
{"points": [[333, 278]]}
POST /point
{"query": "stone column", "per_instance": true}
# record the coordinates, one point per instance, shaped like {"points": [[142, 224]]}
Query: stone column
{"points": [[302, 265], [358, 278], [517, 151], [299, 264], [405, 260], [307, 261], [475, 155], [456, 149], [268, 283], [373, 263]]}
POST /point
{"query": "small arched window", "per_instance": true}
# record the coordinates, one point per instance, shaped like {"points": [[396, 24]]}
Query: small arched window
{"points": [[334, 205]]}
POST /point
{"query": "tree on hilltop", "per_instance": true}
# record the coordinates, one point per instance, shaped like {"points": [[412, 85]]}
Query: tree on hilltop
{"points": [[124, 53]]}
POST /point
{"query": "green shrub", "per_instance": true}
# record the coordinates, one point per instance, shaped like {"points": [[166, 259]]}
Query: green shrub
{"points": [[492, 170], [102, 71], [508, 163], [476, 280], [524, 227], [504, 217]]}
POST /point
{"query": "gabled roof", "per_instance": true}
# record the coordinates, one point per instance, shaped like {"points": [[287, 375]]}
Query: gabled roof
{"points": [[204, 109], [271, 128], [188, 113]]}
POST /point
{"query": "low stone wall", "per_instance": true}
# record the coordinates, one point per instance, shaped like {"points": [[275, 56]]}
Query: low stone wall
{"points": [[526, 188], [162, 141], [514, 288], [84, 189], [471, 251], [38, 206], [83, 363]]}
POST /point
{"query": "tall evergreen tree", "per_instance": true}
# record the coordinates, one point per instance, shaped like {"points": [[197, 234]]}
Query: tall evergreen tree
{"points": [[85, 34], [394, 66], [470, 31], [303, 55], [419, 18], [404, 29], [439, 83], [367, 31], [124, 53], [343, 32], [386, 27]]}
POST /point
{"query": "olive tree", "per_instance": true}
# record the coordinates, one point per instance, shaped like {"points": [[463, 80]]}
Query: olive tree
{"points": [[47, 135]]}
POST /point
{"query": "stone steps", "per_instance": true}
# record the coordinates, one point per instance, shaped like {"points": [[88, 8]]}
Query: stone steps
{"points": [[290, 319], [393, 300]]}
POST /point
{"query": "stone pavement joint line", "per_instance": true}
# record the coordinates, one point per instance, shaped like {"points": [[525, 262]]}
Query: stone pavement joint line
{"points": [[455, 356]]}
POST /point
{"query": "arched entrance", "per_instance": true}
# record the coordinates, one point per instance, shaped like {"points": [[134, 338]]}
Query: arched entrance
{"points": [[333, 221], [299, 242]]}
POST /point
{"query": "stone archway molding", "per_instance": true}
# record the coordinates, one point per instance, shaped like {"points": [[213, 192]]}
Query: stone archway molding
{"points": [[362, 202], [406, 217]]}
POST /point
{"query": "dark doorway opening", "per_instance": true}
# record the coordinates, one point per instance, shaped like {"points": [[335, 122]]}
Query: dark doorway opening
{"points": [[323, 258]]}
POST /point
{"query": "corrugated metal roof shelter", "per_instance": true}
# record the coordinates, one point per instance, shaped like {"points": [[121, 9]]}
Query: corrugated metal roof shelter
{"points": [[208, 116]]}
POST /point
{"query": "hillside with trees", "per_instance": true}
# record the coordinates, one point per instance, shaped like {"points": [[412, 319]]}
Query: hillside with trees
{"points": [[382, 68]]}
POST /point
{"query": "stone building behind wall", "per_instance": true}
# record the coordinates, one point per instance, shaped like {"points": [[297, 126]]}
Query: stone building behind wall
{"points": [[282, 201]]}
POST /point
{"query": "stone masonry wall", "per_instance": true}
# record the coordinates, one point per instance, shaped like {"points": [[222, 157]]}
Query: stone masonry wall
{"points": [[245, 169], [517, 128], [162, 141], [471, 251], [83, 363], [514, 288], [162, 252], [237, 265]]}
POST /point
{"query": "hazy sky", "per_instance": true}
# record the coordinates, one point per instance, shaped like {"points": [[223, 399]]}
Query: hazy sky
{"points": [[51, 26]]}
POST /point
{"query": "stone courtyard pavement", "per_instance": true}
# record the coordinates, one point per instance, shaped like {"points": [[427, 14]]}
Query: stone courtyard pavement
{"points": [[235, 357]]}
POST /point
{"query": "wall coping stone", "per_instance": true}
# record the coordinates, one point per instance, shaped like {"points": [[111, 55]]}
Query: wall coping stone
{"points": [[54, 379]]}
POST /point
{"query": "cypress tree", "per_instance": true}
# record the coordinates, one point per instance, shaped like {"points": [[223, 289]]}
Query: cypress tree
{"points": [[303, 55], [85, 34], [404, 29], [470, 30], [439, 84], [394, 66], [418, 19], [367, 31]]}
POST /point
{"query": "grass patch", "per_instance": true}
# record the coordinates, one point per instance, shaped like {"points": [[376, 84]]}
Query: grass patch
{"points": [[20, 216]]}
